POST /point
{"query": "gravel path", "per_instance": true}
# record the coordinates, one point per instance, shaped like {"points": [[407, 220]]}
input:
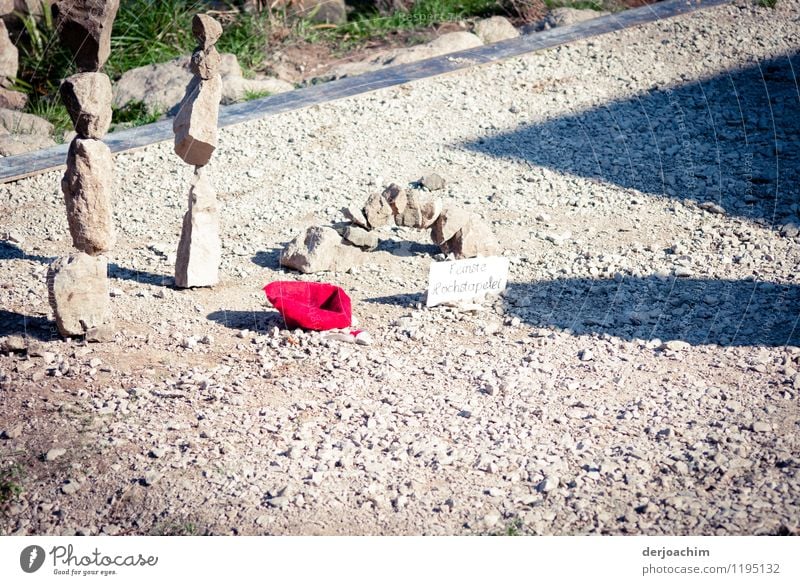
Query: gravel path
{"points": [[639, 376]]}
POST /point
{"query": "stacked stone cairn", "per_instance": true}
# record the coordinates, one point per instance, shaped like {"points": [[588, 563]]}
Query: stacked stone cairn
{"points": [[195, 127], [78, 283]]}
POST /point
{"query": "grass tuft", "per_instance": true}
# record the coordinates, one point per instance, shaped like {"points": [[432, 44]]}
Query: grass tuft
{"points": [[10, 484], [134, 114]]}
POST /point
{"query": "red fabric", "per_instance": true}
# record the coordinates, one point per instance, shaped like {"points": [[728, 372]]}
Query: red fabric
{"points": [[310, 305]]}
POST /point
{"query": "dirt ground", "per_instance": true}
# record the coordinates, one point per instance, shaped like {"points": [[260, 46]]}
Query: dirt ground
{"points": [[639, 376]]}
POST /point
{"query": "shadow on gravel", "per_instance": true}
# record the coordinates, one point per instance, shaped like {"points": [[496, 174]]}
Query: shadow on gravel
{"points": [[9, 251], [730, 140], [12, 323], [268, 258], [259, 321], [700, 312], [405, 300]]}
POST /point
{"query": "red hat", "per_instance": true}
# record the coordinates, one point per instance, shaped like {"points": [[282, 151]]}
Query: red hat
{"points": [[310, 305]]}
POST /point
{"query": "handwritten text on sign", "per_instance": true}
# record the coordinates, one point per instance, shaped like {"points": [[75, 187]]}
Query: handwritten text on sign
{"points": [[461, 280]]}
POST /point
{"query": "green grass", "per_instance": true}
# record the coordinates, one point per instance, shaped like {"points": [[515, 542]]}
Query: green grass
{"points": [[246, 37], [51, 109], [251, 95], [134, 114], [768, 3], [10, 484], [424, 13]]}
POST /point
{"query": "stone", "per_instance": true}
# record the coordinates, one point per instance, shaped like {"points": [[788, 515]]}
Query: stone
{"points": [[411, 214], [450, 221], [195, 126], [548, 484], [446, 43], [70, 487], [13, 344], [761, 427], [432, 182], [6, 7], [21, 123], [377, 210], [12, 100], [200, 248], [318, 249], [14, 144], [87, 97], [495, 29], [101, 334], [356, 216], [361, 238], [430, 209], [78, 293], [205, 64], [54, 453], [396, 197], [87, 186], [564, 16], [14, 432], [675, 345], [474, 239], [9, 55], [206, 30], [85, 29], [161, 87]]}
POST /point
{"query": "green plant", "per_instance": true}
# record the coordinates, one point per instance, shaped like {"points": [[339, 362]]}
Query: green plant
{"points": [[43, 62], [768, 3], [134, 114], [10, 484], [51, 109], [246, 36], [251, 95], [177, 528]]}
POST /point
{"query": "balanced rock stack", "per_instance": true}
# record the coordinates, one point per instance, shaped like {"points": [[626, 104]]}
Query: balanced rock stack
{"points": [[195, 127], [78, 284]]}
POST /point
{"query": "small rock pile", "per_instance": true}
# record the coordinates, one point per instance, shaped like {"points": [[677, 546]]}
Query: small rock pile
{"points": [[78, 283], [195, 127], [458, 233]]}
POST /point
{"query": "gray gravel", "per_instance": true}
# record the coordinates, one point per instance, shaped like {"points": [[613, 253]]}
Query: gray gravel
{"points": [[639, 376]]}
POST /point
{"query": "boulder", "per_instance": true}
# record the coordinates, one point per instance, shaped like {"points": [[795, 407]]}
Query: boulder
{"points": [[361, 238], [447, 43], [421, 210], [495, 29], [475, 238], [317, 250], [21, 123], [200, 248], [564, 16], [356, 216], [87, 97], [87, 186], [6, 7], [14, 144], [9, 56], [450, 221], [85, 29], [77, 287], [161, 87], [195, 126], [12, 100], [377, 210], [206, 30]]}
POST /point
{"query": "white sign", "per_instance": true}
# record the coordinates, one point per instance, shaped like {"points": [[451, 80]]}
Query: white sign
{"points": [[461, 280]]}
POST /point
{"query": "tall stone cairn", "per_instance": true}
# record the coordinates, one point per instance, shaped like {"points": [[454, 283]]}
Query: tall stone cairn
{"points": [[78, 283], [195, 127]]}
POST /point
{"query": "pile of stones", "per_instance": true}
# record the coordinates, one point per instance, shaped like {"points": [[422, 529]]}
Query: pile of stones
{"points": [[78, 283], [458, 233], [195, 127]]}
